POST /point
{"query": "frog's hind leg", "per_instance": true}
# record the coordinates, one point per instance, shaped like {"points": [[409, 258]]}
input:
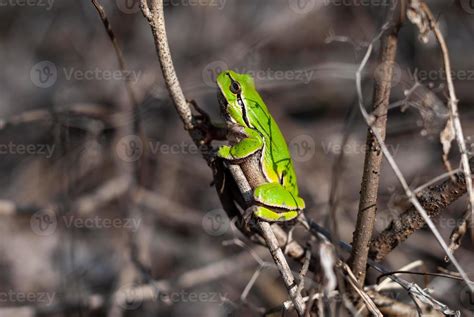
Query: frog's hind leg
{"points": [[273, 216], [275, 195]]}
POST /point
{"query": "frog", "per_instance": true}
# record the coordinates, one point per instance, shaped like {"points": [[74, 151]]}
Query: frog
{"points": [[252, 131]]}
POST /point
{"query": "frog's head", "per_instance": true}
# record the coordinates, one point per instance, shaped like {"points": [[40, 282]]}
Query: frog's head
{"points": [[233, 89]]}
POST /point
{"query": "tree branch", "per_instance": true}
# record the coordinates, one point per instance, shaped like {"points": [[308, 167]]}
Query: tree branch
{"points": [[434, 200], [373, 155]]}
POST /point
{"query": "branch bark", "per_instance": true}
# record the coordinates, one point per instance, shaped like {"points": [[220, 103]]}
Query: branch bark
{"points": [[434, 200], [373, 156]]}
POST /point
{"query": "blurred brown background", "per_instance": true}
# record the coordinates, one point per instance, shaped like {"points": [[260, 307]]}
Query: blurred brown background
{"points": [[62, 151]]}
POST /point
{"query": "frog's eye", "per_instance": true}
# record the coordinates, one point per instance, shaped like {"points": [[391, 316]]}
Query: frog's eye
{"points": [[235, 87]]}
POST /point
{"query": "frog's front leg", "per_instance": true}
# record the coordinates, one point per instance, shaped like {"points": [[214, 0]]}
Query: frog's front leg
{"points": [[276, 203], [250, 144]]}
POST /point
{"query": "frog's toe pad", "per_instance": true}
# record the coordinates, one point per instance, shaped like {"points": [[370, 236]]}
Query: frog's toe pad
{"points": [[272, 216]]}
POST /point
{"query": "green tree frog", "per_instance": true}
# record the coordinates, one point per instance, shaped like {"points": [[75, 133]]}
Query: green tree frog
{"points": [[253, 131]]}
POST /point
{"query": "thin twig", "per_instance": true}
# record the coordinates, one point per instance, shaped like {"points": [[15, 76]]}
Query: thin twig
{"points": [[272, 243], [355, 285], [453, 105]]}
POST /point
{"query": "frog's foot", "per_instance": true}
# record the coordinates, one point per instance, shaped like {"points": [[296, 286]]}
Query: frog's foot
{"points": [[275, 195], [247, 215]]}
